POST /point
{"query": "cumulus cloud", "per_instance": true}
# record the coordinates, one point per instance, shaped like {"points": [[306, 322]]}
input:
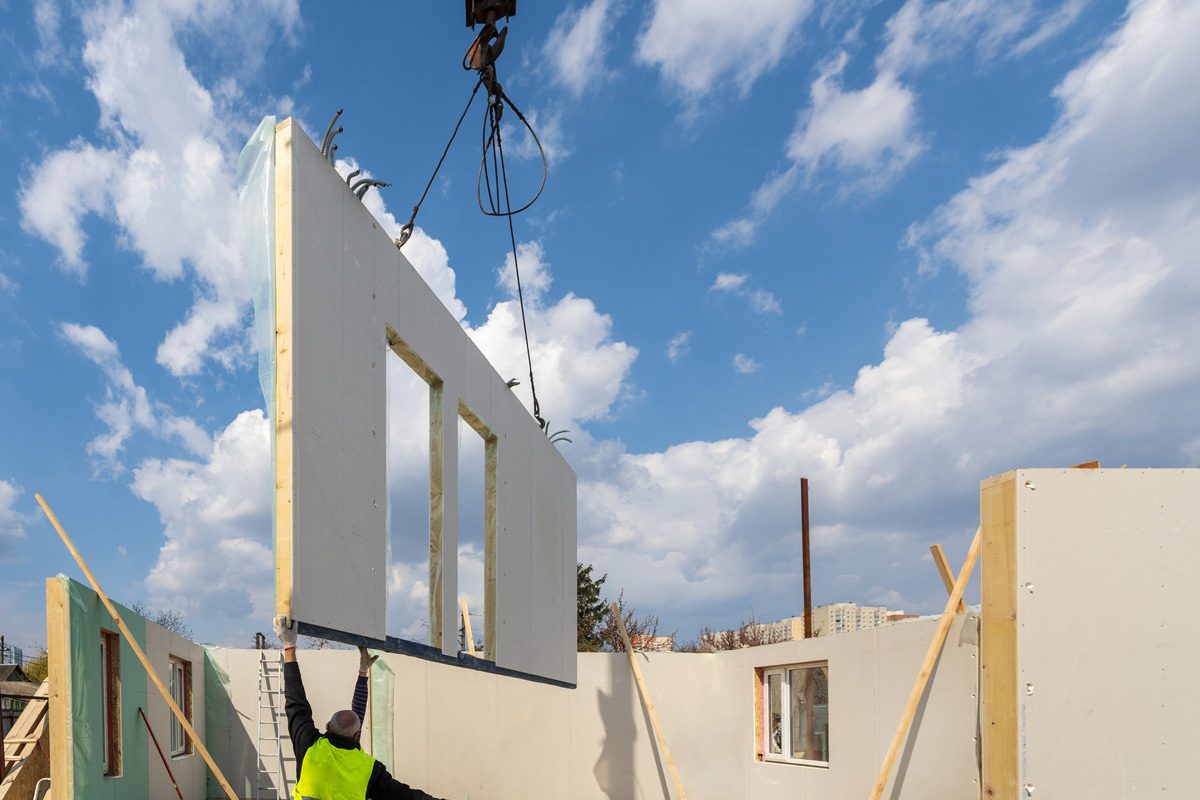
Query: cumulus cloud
{"points": [[126, 407], [697, 45], [12, 521], [762, 301], [578, 43], [216, 516], [864, 138], [745, 364], [579, 368], [1083, 280], [679, 345], [165, 175]]}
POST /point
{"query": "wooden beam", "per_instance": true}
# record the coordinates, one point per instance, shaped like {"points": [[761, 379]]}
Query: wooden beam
{"points": [[931, 656], [637, 674], [998, 638], [467, 629], [1087, 465], [137, 650], [939, 558], [284, 346], [58, 666]]}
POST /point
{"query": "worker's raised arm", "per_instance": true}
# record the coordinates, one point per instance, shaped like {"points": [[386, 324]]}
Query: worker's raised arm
{"points": [[299, 713], [359, 702]]}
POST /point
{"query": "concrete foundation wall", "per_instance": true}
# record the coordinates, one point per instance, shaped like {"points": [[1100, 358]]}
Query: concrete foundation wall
{"points": [[461, 733]]}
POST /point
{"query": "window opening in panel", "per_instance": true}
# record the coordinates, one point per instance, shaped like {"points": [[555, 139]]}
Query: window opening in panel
{"points": [[796, 714], [413, 394], [179, 684], [477, 499]]}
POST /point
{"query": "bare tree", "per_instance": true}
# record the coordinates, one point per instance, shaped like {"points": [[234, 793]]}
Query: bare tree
{"points": [[640, 630], [751, 632], [166, 618]]}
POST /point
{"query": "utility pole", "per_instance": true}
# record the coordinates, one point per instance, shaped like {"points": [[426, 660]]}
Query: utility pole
{"points": [[808, 631]]}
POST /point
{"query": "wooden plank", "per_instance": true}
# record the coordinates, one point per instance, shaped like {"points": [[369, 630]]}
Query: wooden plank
{"points": [[931, 656], [58, 666], [437, 511], [998, 638], [1087, 465], [467, 629], [939, 558], [284, 378], [637, 674], [137, 650]]}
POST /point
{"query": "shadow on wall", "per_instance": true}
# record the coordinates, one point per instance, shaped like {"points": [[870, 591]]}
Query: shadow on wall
{"points": [[615, 769]]}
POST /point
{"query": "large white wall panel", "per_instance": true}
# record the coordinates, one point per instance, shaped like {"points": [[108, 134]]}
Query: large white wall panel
{"points": [[341, 285]]}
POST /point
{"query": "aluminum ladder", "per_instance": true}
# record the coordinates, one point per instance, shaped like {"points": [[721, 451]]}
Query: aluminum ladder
{"points": [[271, 732]]}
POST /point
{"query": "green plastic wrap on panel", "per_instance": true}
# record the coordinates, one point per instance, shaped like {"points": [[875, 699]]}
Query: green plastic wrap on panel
{"points": [[216, 713], [87, 616], [256, 190], [383, 682]]}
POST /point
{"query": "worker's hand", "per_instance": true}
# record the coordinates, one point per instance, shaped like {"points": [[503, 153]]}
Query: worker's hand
{"points": [[286, 631], [365, 659]]}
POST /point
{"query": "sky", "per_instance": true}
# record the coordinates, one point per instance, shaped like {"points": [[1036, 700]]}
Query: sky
{"points": [[894, 248]]}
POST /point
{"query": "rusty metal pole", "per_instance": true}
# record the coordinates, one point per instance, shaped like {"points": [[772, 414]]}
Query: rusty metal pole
{"points": [[808, 631]]}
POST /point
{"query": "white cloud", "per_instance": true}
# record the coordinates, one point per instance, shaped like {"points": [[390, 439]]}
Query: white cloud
{"points": [[728, 282], [1084, 281], [745, 364], [12, 522], [866, 132], [46, 19], [577, 45], [216, 513], [126, 407], [550, 133], [166, 178], [762, 301], [698, 45], [580, 370], [867, 137], [679, 345]]}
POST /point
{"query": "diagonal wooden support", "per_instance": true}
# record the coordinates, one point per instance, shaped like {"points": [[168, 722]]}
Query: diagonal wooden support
{"points": [[939, 558], [637, 673], [931, 656], [137, 651]]}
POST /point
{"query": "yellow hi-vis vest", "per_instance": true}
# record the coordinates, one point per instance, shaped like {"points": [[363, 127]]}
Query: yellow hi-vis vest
{"points": [[331, 773]]}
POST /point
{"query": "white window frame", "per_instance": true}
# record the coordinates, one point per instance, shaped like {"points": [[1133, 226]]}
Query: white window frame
{"points": [[177, 684], [105, 719], [784, 673]]}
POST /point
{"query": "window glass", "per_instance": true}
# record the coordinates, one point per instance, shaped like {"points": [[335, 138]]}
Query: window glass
{"points": [[177, 684], [106, 682], [775, 713]]}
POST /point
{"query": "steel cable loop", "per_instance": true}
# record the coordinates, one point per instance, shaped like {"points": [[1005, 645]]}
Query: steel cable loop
{"points": [[537, 411], [407, 231], [495, 212]]}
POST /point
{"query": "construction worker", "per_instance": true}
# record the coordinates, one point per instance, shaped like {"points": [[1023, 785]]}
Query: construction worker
{"points": [[332, 765]]}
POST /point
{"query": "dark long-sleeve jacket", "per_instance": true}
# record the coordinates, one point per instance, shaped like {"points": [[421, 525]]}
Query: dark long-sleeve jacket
{"points": [[304, 733]]}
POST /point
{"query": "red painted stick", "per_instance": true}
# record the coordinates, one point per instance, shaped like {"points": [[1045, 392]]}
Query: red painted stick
{"points": [[160, 753]]}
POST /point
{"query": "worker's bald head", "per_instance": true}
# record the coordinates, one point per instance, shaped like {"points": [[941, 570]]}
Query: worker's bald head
{"points": [[344, 723]]}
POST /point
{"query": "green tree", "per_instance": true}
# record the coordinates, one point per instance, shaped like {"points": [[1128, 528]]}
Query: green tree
{"points": [[37, 668], [591, 608]]}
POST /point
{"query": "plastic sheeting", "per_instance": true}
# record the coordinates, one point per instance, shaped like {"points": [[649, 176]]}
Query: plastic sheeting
{"points": [[383, 682], [216, 713], [87, 616], [256, 191]]}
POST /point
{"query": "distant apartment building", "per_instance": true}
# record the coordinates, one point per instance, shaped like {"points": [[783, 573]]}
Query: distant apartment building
{"points": [[827, 620], [653, 644]]}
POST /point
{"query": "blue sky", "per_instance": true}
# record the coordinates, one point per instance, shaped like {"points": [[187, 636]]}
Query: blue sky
{"points": [[895, 248]]}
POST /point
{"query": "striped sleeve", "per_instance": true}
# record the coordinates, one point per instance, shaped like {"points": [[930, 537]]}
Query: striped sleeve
{"points": [[359, 704]]}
